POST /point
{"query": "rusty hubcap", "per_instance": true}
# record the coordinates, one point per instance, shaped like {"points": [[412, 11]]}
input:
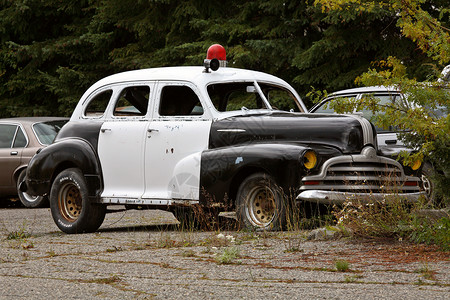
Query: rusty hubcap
{"points": [[70, 202]]}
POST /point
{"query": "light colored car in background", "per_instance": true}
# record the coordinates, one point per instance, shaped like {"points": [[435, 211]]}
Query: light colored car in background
{"points": [[20, 138], [388, 140]]}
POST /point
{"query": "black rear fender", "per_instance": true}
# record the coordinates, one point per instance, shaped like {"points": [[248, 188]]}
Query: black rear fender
{"points": [[68, 153]]}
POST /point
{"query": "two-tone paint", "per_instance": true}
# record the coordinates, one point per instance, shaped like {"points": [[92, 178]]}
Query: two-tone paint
{"points": [[159, 161]]}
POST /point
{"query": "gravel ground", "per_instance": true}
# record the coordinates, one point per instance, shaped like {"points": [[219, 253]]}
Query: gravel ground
{"points": [[140, 255]]}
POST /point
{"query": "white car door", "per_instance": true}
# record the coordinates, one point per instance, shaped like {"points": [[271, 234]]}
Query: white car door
{"points": [[176, 137], [121, 143]]}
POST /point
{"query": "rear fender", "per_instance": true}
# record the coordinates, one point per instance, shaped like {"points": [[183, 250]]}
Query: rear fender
{"points": [[67, 153]]}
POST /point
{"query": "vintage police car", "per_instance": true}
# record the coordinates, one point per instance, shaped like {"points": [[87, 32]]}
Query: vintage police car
{"points": [[164, 137]]}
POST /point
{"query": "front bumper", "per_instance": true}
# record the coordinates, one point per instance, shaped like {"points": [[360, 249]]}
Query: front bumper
{"points": [[331, 197]]}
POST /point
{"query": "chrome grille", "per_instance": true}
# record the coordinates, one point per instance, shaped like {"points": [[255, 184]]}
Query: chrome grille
{"points": [[362, 173]]}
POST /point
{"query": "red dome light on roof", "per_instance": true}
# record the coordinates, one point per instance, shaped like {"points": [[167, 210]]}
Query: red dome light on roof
{"points": [[216, 51], [215, 57]]}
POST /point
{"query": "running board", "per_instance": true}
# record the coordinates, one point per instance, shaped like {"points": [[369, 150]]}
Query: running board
{"points": [[140, 201]]}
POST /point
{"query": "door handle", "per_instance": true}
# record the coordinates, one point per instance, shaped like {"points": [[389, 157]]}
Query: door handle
{"points": [[14, 152], [105, 129], [152, 130], [391, 142]]}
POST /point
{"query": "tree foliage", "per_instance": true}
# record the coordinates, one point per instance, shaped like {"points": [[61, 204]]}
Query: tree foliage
{"points": [[51, 51], [423, 121]]}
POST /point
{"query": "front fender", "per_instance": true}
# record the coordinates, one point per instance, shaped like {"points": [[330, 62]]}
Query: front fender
{"points": [[223, 169], [67, 153]]}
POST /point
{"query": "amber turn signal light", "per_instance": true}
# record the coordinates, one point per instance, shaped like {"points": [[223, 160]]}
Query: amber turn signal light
{"points": [[416, 165]]}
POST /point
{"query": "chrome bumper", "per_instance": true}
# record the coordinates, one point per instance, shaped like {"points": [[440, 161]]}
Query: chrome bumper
{"points": [[330, 197]]}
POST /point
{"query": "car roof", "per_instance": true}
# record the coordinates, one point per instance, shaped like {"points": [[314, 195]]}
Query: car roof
{"points": [[366, 89], [193, 74], [32, 120]]}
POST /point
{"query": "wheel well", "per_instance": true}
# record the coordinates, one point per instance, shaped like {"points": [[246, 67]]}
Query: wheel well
{"points": [[238, 178], [61, 167], [17, 173]]}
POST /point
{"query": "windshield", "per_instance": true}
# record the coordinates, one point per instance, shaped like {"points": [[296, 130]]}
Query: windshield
{"points": [[46, 131], [245, 95]]}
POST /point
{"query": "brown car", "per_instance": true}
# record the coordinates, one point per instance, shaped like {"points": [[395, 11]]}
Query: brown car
{"points": [[20, 138]]}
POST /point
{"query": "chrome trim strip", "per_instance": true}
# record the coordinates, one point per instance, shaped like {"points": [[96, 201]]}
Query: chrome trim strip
{"points": [[367, 129], [231, 130]]}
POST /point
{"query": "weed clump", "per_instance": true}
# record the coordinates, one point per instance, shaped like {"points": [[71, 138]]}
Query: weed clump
{"points": [[342, 265], [393, 219], [228, 256], [20, 234]]}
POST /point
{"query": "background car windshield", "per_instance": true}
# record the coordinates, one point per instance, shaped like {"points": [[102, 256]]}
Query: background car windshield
{"points": [[46, 131], [382, 100], [244, 95]]}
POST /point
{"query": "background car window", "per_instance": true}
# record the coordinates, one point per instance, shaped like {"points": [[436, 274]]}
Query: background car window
{"points": [[179, 101], [7, 133], [235, 96], [133, 101], [20, 140], [97, 106], [383, 100], [46, 131]]}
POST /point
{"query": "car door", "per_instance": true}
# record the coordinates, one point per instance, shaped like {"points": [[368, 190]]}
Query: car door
{"points": [[176, 137], [12, 142], [122, 140]]}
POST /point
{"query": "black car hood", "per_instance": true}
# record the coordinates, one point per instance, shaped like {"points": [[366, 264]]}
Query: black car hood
{"points": [[340, 131]]}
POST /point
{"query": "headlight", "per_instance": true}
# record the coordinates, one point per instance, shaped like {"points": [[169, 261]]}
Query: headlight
{"points": [[309, 159]]}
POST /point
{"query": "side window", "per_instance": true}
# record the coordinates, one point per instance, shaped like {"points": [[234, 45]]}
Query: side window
{"points": [[133, 101], [7, 133], [21, 140], [97, 106], [179, 101]]}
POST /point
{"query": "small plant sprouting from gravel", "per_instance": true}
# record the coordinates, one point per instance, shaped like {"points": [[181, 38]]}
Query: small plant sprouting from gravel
{"points": [[114, 249], [20, 234], [107, 280], [228, 256], [342, 265], [51, 253], [188, 253], [426, 272], [353, 278]]}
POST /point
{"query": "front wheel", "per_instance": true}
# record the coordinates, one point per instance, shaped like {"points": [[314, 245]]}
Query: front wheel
{"points": [[260, 203], [427, 183], [70, 206], [28, 200]]}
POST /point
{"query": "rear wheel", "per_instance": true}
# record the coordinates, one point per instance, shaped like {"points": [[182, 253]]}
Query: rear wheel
{"points": [[260, 203], [70, 206], [28, 200]]}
